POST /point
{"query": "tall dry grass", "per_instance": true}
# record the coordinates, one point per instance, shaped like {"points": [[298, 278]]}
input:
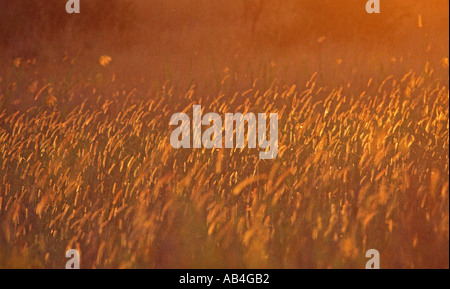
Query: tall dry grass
{"points": [[356, 170]]}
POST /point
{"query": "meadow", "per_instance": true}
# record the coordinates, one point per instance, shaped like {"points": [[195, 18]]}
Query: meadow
{"points": [[363, 163]]}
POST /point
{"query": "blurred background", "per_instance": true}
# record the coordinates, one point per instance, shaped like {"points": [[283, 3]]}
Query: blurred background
{"points": [[197, 42]]}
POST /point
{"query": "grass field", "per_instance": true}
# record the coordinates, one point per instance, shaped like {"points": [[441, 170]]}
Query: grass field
{"points": [[363, 163]]}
